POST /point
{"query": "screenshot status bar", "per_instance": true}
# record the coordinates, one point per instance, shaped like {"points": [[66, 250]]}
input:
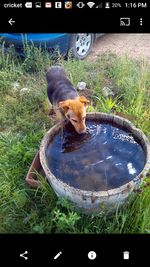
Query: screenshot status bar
{"points": [[68, 5]]}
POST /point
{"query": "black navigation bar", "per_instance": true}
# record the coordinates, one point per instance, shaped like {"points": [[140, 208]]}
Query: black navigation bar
{"points": [[68, 250]]}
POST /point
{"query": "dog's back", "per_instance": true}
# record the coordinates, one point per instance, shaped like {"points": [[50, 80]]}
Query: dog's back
{"points": [[59, 87]]}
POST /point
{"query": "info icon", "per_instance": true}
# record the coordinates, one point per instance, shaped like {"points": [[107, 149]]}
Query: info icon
{"points": [[92, 255]]}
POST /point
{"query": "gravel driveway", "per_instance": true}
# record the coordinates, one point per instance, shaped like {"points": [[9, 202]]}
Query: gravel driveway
{"points": [[134, 45]]}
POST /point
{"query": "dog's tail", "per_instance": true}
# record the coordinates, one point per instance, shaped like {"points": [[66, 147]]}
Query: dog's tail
{"points": [[54, 72]]}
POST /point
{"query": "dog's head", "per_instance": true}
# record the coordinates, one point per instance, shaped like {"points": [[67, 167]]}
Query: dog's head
{"points": [[75, 112]]}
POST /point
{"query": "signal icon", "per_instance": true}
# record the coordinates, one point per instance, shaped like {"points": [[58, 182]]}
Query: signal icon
{"points": [[99, 5]]}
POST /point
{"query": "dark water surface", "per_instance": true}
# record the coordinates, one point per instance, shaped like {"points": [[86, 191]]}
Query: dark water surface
{"points": [[105, 157]]}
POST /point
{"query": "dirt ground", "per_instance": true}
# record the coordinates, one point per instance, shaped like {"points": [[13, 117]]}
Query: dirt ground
{"points": [[134, 45]]}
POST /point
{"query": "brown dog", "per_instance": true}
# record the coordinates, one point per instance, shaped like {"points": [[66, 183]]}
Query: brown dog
{"points": [[65, 100]]}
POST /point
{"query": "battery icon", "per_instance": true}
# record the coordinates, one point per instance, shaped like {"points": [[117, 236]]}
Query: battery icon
{"points": [[107, 5]]}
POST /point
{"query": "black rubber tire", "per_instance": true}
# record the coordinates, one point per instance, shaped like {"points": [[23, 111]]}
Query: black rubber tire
{"points": [[73, 49]]}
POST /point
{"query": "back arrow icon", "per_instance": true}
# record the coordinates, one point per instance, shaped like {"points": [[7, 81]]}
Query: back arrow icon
{"points": [[11, 21]]}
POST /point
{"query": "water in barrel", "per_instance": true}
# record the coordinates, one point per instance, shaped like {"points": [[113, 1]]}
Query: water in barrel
{"points": [[104, 158]]}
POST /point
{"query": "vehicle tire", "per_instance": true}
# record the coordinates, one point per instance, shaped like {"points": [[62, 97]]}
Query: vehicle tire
{"points": [[81, 44]]}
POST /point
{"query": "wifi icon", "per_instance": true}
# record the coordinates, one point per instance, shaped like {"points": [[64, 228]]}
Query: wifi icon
{"points": [[90, 4]]}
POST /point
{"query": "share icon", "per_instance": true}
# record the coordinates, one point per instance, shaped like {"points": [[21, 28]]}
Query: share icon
{"points": [[22, 255]]}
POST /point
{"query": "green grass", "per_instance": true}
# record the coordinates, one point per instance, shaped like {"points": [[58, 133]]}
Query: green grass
{"points": [[24, 121]]}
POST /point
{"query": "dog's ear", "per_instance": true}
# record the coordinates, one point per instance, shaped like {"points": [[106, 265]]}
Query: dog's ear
{"points": [[83, 100], [64, 105]]}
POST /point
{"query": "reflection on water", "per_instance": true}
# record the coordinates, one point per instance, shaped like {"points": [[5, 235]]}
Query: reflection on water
{"points": [[105, 157]]}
